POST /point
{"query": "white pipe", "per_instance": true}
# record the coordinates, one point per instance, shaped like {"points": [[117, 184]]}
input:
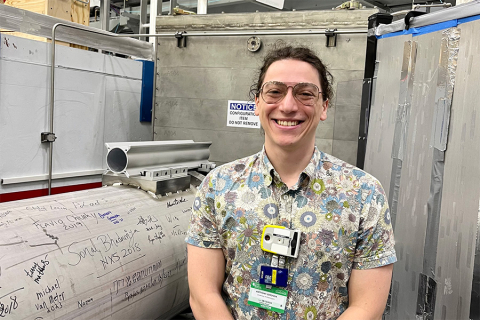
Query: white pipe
{"points": [[153, 19], [43, 177], [445, 5], [202, 6]]}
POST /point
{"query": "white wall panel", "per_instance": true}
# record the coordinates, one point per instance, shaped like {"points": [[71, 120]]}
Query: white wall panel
{"points": [[97, 101]]}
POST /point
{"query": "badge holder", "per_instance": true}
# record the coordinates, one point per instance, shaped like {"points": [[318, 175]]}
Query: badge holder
{"points": [[281, 242]]}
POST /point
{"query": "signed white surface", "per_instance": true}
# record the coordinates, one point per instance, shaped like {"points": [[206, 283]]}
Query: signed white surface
{"points": [[108, 253]]}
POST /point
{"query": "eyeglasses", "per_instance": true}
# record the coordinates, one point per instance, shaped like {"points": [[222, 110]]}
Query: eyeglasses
{"points": [[304, 92]]}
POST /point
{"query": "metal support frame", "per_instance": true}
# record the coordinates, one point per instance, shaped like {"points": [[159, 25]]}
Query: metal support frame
{"points": [[52, 90], [173, 4], [202, 6], [370, 59], [155, 10], [143, 18], [105, 14]]}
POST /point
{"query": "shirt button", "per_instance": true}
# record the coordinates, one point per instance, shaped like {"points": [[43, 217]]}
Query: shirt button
{"points": [[285, 197], [289, 207]]}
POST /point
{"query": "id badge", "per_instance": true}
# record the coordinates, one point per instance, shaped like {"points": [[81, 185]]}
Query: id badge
{"points": [[273, 299], [273, 276]]}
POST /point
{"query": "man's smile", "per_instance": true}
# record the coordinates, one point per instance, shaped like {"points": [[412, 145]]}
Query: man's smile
{"points": [[288, 123]]}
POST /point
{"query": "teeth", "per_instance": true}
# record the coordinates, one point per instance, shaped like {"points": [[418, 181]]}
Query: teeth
{"points": [[287, 123]]}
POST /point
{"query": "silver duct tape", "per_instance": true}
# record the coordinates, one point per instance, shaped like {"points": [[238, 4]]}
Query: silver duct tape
{"points": [[434, 204], [445, 84], [475, 298], [15, 19], [404, 100], [401, 124]]}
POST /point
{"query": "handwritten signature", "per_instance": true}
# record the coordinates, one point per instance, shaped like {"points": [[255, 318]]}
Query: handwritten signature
{"points": [[176, 202], [37, 270]]}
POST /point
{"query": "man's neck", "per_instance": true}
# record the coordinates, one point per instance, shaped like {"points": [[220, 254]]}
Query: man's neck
{"points": [[289, 163]]}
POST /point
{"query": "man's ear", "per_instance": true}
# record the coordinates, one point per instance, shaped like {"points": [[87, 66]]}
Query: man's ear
{"points": [[323, 111], [256, 105]]}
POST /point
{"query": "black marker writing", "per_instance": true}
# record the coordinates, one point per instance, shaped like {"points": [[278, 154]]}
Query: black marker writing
{"points": [[175, 202]]}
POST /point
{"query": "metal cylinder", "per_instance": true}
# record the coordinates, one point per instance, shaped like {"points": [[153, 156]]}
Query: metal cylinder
{"points": [[132, 158], [107, 253]]}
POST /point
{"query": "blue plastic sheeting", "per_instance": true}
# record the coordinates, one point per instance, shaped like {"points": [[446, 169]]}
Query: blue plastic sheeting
{"points": [[422, 30], [147, 91], [468, 19], [431, 28]]}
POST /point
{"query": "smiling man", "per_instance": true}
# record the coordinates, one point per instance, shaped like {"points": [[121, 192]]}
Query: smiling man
{"points": [[343, 266]]}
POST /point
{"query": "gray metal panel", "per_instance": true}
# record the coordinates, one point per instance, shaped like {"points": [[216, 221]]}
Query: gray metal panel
{"points": [[41, 25], [411, 221], [414, 188], [461, 193], [417, 158], [195, 82], [378, 160], [452, 229]]}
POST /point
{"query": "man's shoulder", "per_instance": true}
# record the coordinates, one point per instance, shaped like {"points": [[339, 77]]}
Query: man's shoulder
{"points": [[237, 168], [343, 168]]}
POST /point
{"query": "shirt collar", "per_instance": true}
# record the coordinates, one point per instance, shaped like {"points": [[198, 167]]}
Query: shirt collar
{"points": [[269, 172]]}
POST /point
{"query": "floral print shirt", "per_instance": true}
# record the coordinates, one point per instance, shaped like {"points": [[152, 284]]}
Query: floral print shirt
{"points": [[341, 210]]}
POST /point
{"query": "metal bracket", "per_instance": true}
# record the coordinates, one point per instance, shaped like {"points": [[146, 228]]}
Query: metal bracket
{"points": [[331, 37], [181, 39], [47, 137]]}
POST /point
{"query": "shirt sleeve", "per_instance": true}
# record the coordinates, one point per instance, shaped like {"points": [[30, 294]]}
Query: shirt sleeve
{"points": [[203, 231], [375, 242]]}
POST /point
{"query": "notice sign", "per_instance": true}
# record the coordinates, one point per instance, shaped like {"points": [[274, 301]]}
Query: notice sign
{"points": [[242, 114]]}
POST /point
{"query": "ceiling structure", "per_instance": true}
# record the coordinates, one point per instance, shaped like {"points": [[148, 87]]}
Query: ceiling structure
{"points": [[235, 6]]}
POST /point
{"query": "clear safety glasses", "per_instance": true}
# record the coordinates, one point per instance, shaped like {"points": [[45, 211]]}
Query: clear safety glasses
{"points": [[304, 92]]}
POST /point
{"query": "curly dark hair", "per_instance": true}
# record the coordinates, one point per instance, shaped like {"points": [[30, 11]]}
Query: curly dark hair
{"points": [[283, 52]]}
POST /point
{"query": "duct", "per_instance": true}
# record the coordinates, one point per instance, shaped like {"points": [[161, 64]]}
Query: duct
{"points": [[154, 157], [445, 84], [461, 11], [106, 253], [41, 25]]}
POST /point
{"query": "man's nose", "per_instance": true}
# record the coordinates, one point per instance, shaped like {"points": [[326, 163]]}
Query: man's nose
{"points": [[289, 103]]}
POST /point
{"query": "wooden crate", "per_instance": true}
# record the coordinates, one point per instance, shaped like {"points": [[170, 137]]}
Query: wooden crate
{"points": [[70, 10]]}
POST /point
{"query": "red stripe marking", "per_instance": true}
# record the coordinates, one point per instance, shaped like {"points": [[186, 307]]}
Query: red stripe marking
{"points": [[13, 196]]}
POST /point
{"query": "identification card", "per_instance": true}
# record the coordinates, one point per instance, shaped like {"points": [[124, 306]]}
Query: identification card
{"points": [[273, 299], [273, 276]]}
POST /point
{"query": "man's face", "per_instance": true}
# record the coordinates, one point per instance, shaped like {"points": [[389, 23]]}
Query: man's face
{"points": [[289, 124]]}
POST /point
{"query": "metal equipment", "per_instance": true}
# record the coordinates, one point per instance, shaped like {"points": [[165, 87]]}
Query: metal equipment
{"points": [[159, 167], [115, 252]]}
